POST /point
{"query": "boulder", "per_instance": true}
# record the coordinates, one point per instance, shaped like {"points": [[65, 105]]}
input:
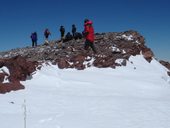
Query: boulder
{"points": [[165, 63], [19, 69]]}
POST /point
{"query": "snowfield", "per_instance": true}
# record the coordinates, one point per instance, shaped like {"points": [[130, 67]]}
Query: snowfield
{"points": [[135, 96]]}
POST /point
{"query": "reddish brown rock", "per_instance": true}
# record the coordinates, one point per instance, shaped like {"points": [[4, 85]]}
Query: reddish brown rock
{"points": [[101, 62], [148, 54], [79, 58], [79, 66], [63, 63], [19, 69], [110, 47], [7, 87], [2, 76]]}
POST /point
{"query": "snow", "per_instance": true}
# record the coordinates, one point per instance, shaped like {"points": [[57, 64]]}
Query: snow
{"points": [[119, 61], [137, 42], [89, 62], [132, 96], [5, 70], [130, 37], [124, 51], [115, 49], [126, 37], [6, 80]]}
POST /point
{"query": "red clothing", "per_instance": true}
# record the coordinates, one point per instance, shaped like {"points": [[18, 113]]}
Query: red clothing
{"points": [[88, 29]]}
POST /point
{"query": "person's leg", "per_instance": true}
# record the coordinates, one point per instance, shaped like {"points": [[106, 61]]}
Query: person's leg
{"points": [[32, 43], [92, 47], [86, 45], [35, 43], [46, 37]]}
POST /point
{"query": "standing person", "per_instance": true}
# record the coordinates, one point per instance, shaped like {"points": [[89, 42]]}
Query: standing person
{"points": [[34, 39], [74, 30], [89, 35], [46, 34], [62, 31]]}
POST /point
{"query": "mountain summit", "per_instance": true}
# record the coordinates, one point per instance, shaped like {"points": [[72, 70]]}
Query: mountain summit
{"points": [[113, 50]]}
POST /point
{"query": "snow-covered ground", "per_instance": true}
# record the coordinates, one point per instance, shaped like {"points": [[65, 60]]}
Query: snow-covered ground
{"points": [[135, 96]]}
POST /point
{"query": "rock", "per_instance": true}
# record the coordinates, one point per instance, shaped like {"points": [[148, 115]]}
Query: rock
{"points": [[168, 73], [19, 69], [2, 76], [1, 63], [63, 63], [73, 55], [79, 66], [148, 54], [7, 87], [165, 63], [111, 46]]}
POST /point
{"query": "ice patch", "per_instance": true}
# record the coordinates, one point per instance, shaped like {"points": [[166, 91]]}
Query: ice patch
{"points": [[137, 42], [88, 63], [119, 61], [6, 80], [124, 51], [130, 37], [115, 49], [4, 70]]}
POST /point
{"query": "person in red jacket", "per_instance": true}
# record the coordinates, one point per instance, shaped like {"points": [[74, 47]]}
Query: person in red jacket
{"points": [[89, 35]]}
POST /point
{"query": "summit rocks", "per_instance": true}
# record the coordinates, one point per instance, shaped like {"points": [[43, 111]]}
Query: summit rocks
{"points": [[166, 64], [113, 49], [110, 47]]}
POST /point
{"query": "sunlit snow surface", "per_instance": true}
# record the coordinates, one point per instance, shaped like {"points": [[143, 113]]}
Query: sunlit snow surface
{"points": [[135, 96]]}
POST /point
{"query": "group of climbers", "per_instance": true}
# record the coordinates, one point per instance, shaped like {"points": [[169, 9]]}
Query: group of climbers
{"points": [[88, 33], [75, 35]]}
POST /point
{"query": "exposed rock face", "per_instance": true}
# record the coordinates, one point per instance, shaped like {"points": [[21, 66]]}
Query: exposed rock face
{"points": [[113, 49], [166, 64], [19, 68]]}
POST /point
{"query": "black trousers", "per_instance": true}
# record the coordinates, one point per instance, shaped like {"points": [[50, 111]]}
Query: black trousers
{"points": [[34, 43], [62, 34], [89, 44]]}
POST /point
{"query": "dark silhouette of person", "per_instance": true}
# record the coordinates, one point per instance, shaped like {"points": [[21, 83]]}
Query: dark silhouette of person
{"points": [[62, 31], [68, 37], [47, 33], [34, 39], [74, 30]]}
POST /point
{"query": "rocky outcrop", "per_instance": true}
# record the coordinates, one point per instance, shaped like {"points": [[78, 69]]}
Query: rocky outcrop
{"points": [[113, 49], [166, 64], [19, 68], [71, 54]]}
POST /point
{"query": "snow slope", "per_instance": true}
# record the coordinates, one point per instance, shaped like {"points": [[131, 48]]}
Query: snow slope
{"points": [[135, 96]]}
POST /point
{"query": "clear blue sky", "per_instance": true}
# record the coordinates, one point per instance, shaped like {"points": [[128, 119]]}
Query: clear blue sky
{"points": [[18, 18]]}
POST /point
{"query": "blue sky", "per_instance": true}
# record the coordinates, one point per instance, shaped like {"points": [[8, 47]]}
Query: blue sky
{"points": [[151, 18]]}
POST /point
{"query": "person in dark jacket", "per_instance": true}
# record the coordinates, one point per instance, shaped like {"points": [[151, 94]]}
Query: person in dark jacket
{"points": [[62, 31], [74, 30], [78, 35], [34, 39], [47, 33], [89, 35], [68, 37]]}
